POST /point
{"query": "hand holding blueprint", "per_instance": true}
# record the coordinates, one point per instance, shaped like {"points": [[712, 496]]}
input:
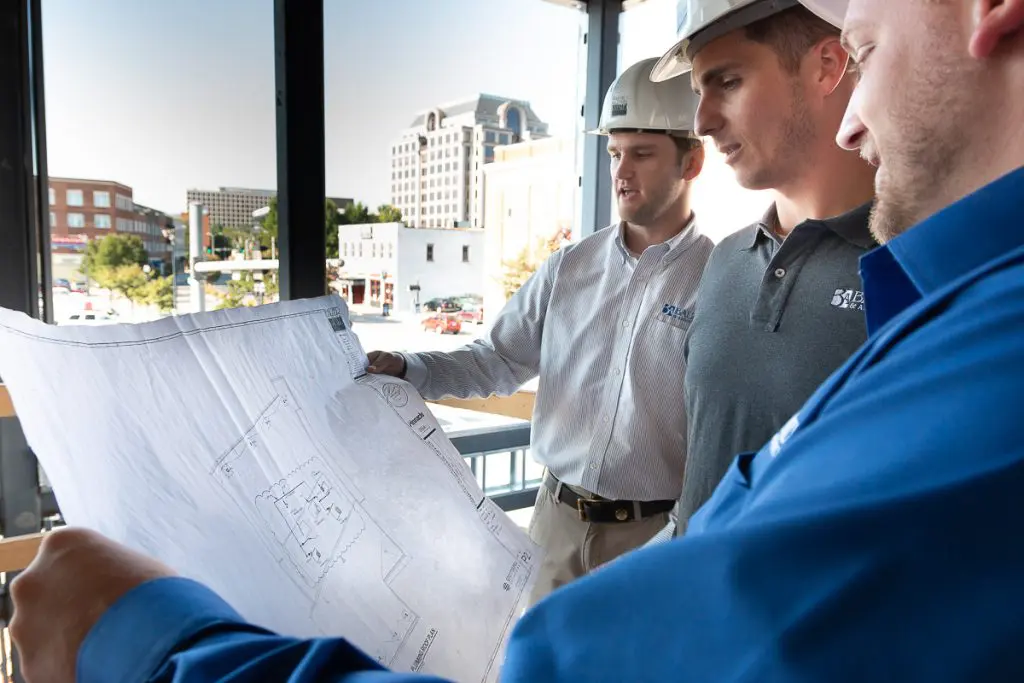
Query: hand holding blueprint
{"points": [[249, 450]]}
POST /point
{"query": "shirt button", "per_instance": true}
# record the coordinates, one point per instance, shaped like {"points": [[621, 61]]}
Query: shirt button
{"points": [[625, 323], [605, 419], [780, 272], [618, 372], [593, 465]]}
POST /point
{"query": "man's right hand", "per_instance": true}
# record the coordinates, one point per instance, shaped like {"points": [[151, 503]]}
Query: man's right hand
{"points": [[386, 363]]}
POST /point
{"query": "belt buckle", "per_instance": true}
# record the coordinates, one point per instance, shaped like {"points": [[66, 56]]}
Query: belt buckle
{"points": [[581, 508]]}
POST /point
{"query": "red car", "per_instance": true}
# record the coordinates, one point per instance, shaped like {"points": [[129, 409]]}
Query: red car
{"points": [[472, 313], [443, 322]]}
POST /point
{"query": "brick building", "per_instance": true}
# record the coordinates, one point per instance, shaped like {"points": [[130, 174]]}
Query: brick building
{"points": [[96, 208]]}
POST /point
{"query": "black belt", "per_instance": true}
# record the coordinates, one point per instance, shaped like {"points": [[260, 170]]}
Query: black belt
{"points": [[603, 511]]}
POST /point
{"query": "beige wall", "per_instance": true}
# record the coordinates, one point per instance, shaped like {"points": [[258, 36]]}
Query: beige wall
{"points": [[531, 192]]}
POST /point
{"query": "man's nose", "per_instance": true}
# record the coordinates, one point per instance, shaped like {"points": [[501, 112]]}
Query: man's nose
{"points": [[708, 120], [623, 169], [852, 130]]}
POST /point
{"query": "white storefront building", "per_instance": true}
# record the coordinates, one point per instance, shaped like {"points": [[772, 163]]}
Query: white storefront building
{"points": [[382, 261]]}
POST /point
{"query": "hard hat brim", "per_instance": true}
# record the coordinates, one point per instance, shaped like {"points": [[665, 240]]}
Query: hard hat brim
{"points": [[673, 63]]}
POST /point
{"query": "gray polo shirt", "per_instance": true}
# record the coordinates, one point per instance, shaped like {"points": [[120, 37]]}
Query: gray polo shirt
{"points": [[773, 320]]}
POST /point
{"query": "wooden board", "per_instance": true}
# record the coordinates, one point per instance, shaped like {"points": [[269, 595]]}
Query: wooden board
{"points": [[17, 552], [518, 405], [6, 407]]}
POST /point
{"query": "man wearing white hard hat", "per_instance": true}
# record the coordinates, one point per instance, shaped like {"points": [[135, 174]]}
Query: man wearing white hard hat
{"points": [[781, 305], [594, 322]]}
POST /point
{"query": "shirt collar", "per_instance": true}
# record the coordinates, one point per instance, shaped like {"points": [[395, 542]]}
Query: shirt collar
{"points": [[671, 246], [943, 248], [852, 226]]}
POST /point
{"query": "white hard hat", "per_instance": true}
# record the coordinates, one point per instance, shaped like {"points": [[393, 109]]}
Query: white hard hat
{"points": [[635, 103], [698, 22]]}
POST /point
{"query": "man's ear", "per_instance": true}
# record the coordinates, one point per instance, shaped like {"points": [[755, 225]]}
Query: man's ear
{"points": [[694, 163], [991, 21], [831, 63]]}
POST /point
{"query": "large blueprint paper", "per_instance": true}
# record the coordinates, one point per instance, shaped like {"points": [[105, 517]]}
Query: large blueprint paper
{"points": [[249, 449]]}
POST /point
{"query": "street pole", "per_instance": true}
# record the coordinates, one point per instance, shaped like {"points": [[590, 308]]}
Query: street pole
{"points": [[195, 241]]}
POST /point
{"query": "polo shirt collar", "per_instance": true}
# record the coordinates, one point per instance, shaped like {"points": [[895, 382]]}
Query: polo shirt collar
{"points": [[852, 226], [959, 239]]}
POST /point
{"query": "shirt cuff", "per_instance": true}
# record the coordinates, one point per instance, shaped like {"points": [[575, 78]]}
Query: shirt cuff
{"points": [[415, 371], [136, 635]]}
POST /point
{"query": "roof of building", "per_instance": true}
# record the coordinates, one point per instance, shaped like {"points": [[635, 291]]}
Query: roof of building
{"points": [[485, 106]]}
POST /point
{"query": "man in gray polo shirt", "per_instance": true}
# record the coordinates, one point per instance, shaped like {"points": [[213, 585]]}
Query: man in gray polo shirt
{"points": [[781, 304]]}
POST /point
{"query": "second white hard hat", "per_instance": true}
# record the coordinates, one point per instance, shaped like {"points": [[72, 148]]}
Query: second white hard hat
{"points": [[635, 103], [698, 22]]}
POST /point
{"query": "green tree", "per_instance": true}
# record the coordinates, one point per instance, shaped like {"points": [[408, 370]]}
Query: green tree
{"points": [[270, 221], [127, 280], [242, 292], [331, 220], [113, 251], [388, 214], [357, 213], [158, 292]]}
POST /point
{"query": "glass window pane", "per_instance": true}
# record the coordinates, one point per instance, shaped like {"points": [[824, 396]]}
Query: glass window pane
{"points": [[135, 161]]}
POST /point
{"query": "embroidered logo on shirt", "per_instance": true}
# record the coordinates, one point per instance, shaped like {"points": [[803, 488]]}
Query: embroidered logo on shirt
{"points": [[676, 316], [848, 298]]}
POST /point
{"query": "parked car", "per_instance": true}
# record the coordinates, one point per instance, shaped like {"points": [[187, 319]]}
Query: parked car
{"points": [[471, 313], [441, 323], [91, 318], [443, 305]]}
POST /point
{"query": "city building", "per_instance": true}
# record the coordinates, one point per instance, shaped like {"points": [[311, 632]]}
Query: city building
{"points": [[383, 260], [531, 193], [233, 207], [230, 207], [437, 163], [83, 210]]}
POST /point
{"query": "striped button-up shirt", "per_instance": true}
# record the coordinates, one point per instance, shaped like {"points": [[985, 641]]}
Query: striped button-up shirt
{"points": [[603, 329]]}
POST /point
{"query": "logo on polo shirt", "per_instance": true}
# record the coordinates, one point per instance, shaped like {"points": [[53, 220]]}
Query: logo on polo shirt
{"points": [[848, 298], [782, 436]]}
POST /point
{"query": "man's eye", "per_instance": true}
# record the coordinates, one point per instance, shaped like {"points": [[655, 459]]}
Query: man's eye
{"points": [[861, 56], [730, 84]]}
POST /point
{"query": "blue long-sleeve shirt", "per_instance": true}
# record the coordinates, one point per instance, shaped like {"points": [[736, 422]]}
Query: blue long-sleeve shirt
{"points": [[878, 537]]}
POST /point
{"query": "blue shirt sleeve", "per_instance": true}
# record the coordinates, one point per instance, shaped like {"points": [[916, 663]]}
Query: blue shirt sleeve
{"points": [[175, 630]]}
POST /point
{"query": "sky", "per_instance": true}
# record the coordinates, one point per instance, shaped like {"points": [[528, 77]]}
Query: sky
{"points": [[166, 96]]}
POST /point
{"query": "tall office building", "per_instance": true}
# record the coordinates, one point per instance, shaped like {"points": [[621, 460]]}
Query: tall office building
{"points": [[437, 178], [231, 207]]}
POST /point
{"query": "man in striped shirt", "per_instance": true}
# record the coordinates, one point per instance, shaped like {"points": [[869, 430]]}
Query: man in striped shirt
{"points": [[601, 322]]}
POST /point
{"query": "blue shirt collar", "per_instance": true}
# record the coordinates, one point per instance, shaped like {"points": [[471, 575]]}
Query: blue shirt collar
{"points": [[943, 248]]}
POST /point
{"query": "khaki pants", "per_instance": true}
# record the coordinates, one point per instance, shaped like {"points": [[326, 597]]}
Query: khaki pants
{"points": [[573, 547]]}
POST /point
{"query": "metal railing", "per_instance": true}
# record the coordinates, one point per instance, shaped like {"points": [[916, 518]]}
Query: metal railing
{"points": [[501, 461]]}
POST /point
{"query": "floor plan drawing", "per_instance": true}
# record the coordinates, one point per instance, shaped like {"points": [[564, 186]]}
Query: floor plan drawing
{"points": [[316, 526], [250, 449]]}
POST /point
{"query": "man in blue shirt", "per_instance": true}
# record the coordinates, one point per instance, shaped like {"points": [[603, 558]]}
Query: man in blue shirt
{"points": [[877, 537]]}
